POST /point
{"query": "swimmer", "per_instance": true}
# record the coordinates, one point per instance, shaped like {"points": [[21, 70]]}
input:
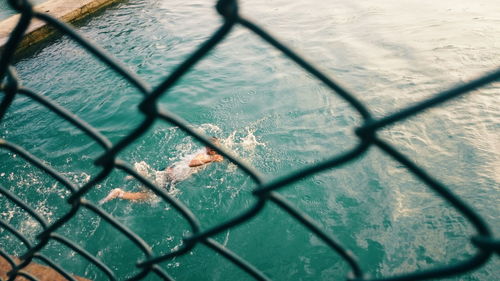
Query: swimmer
{"points": [[172, 175]]}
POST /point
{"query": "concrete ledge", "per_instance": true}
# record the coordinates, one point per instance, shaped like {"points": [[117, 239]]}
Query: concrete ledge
{"points": [[41, 272], [64, 10]]}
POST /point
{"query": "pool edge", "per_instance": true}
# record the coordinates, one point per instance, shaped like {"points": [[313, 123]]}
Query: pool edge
{"points": [[64, 10]]}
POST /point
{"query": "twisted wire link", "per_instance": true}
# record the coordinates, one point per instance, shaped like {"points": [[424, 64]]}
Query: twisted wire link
{"points": [[265, 192]]}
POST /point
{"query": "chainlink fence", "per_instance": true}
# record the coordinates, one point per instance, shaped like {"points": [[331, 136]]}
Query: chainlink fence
{"points": [[265, 193]]}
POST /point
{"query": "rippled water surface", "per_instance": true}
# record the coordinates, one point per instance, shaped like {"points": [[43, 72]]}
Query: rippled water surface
{"points": [[280, 119]]}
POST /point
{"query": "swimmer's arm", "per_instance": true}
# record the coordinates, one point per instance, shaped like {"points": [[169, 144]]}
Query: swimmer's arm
{"points": [[200, 160], [217, 158], [139, 196]]}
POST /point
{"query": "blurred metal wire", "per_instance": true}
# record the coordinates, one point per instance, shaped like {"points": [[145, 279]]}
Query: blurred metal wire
{"points": [[483, 240]]}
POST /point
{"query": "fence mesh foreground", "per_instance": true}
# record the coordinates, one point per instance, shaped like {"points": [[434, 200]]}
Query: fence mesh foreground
{"points": [[265, 193]]}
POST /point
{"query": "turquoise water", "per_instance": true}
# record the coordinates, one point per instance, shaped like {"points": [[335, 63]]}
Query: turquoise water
{"points": [[279, 119]]}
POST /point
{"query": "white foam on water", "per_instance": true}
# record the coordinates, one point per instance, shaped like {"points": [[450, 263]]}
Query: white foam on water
{"points": [[38, 194], [401, 206], [244, 145], [40, 204], [208, 128]]}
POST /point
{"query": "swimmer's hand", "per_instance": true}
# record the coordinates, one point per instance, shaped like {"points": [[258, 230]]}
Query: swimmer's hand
{"points": [[217, 158]]}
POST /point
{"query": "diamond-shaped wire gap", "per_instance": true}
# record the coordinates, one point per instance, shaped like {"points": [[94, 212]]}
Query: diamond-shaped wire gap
{"points": [[424, 231], [338, 202], [285, 110], [334, 200], [456, 142], [105, 241]]}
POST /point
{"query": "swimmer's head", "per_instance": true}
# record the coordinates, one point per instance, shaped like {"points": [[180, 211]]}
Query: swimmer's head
{"points": [[211, 151]]}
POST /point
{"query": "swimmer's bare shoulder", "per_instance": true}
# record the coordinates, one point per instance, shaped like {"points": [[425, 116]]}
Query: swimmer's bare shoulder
{"points": [[209, 156], [198, 160], [202, 159]]}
